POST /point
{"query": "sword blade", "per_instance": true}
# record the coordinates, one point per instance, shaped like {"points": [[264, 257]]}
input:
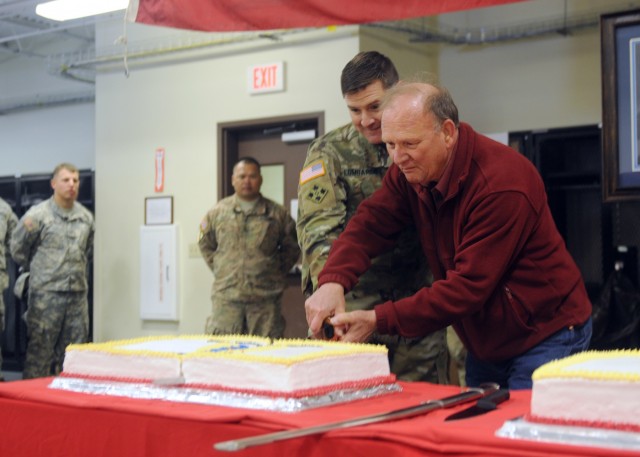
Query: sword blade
{"points": [[470, 394]]}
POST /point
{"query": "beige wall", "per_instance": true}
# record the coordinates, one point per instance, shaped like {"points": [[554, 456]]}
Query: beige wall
{"points": [[410, 59], [178, 107], [535, 83], [538, 83], [36, 141]]}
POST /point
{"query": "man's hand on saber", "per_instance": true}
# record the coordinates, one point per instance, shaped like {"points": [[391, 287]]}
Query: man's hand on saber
{"points": [[326, 302], [356, 326]]}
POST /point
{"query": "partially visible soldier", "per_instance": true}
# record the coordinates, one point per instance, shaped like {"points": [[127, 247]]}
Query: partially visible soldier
{"points": [[343, 168], [8, 222], [54, 241], [250, 244]]}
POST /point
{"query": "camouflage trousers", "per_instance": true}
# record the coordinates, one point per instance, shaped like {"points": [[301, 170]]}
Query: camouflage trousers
{"points": [[458, 354], [1, 325], [419, 359], [258, 316], [54, 320]]}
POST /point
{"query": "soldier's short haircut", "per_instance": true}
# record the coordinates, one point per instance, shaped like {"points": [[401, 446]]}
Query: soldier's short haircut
{"points": [[366, 68], [247, 159], [64, 166]]}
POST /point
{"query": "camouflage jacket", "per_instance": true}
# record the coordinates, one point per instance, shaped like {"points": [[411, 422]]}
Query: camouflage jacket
{"points": [[342, 169], [249, 253], [55, 246], [8, 222]]}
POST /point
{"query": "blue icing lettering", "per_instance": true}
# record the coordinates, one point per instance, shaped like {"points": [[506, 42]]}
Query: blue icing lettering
{"points": [[232, 347]]}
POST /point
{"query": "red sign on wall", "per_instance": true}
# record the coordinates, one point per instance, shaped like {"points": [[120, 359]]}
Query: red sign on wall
{"points": [[159, 169], [266, 78]]}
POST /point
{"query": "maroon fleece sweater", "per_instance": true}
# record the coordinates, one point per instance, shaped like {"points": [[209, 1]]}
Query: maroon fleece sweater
{"points": [[503, 276]]}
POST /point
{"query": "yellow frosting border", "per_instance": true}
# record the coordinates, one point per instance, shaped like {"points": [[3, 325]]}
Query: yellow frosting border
{"points": [[255, 354], [562, 368], [114, 347]]}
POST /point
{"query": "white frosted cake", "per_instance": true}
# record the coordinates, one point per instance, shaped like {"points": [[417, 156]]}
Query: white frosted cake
{"points": [[593, 388], [149, 359], [235, 363]]}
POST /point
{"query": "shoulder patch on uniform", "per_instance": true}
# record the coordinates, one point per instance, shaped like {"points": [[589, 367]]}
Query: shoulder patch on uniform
{"points": [[29, 224], [203, 229], [316, 193], [315, 170]]}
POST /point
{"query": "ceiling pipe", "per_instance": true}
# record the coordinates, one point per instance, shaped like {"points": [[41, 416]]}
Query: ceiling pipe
{"points": [[417, 34], [17, 105], [69, 65]]}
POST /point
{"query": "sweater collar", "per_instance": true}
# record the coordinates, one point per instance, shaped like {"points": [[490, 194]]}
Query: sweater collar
{"points": [[457, 169]]}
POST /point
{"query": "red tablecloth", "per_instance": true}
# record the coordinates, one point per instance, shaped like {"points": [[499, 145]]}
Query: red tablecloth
{"points": [[38, 421]]}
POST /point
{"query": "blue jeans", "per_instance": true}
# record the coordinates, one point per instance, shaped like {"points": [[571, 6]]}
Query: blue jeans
{"points": [[516, 373]]}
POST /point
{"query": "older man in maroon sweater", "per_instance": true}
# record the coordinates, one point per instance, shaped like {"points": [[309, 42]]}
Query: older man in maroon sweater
{"points": [[504, 278]]}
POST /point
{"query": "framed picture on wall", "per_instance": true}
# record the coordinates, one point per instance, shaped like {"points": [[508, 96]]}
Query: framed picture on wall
{"points": [[158, 210], [620, 57]]}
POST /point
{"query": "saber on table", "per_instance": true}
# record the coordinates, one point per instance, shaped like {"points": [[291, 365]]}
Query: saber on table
{"points": [[483, 406], [470, 394]]}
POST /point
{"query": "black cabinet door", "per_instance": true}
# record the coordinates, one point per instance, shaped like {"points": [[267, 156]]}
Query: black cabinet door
{"points": [[570, 163]]}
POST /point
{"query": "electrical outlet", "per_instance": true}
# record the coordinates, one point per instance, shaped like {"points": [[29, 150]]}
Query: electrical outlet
{"points": [[194, 251]]}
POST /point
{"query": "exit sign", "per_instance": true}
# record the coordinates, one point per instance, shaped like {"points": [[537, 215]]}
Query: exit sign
{"points": [[266, 78]]}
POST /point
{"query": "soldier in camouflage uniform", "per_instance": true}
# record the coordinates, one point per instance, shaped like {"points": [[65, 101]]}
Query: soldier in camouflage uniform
{"points": [[343, 168], [250, 244], [54, 240], [8, 222]]}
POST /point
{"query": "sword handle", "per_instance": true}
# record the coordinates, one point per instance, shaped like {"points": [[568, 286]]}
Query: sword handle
{"points": [[472, 393]]}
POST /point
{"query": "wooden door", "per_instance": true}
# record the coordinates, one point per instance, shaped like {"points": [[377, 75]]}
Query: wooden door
{"points": [[281, 164]]}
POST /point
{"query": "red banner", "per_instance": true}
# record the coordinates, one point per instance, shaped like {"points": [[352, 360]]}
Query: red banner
{"points": [[237, 15], [159, 169]]}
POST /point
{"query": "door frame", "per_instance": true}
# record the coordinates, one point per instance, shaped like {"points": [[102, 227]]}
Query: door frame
{"points": [[229, 134]]}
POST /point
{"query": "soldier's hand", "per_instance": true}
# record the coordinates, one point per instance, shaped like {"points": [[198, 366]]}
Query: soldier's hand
{"points": [[327, 301], [356, 326]]}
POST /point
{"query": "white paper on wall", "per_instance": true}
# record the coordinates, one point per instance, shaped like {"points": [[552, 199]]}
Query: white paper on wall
{"points": [[159, 272]]}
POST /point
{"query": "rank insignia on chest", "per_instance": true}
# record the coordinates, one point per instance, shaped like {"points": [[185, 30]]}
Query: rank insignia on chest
{"points": [[316, 194]]}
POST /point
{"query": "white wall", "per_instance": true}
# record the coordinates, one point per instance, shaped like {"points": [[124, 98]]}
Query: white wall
{"points": [[533, 84], [537, 83], [178, 107], [528, 84], [36, 141], [411, 60]]}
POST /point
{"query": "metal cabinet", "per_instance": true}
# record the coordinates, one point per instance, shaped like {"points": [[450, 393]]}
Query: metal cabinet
{"points": [[570, 163]]}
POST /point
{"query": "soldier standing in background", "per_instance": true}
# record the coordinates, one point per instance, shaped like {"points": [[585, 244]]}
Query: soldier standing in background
{"points": [[250, 244], [8, 222], [53, 241], [342, 168]]}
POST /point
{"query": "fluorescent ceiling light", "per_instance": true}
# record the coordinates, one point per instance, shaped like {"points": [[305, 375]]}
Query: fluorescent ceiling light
{"points": [[64, 10]]}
